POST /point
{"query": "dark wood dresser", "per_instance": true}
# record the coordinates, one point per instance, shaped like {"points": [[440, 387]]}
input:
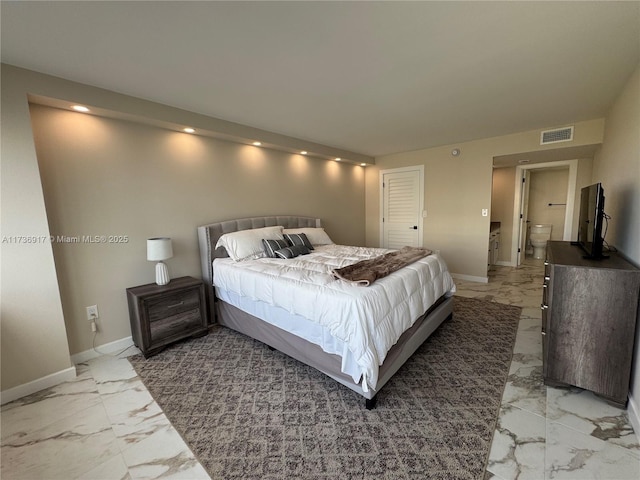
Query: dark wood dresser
{"points": [[589, 312], [163, 314]]}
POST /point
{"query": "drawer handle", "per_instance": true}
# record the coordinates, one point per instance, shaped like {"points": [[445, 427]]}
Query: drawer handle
{"points": [[544, 285], [546, 279], [546, 264], [543, 306], [543, 333], [175, 305]]}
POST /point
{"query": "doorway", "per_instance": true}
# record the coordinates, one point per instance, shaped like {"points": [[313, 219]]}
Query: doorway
{"points": [[520, 211]]}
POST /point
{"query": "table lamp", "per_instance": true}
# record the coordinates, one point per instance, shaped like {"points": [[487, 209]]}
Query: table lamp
{"points": [[159, 249]]}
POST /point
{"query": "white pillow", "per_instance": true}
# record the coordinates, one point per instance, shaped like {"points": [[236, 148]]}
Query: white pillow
{"points": [[317, 236], [247, 244]]}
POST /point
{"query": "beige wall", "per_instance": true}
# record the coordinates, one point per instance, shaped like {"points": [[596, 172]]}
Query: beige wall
{"points": [[617, 166], [502, 202], [455, 192], [110, 177], [458, 188], [585, 171], [34, 342], [548, 186], [107, 176]]}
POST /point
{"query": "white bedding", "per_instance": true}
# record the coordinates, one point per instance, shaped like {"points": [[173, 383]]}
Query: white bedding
{"points": [[368, 320]]}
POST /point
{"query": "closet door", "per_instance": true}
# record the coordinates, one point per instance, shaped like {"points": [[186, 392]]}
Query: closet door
{"points": [[402, 208]]}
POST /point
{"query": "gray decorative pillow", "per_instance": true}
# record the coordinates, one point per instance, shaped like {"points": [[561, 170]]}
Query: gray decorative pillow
{"points": [[298, 239], [270, 246], [292, 252]]}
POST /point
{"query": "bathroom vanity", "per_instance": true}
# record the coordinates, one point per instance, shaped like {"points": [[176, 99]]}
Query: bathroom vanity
{"points": [[589, 312]]}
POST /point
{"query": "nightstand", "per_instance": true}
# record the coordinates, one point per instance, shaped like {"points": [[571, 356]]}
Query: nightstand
{"points": [[163, 314]]}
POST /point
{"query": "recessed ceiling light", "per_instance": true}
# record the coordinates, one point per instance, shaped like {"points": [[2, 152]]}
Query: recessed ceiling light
{"points": [[188, 130], [363, 164], [303, 152], [80, 108], [257, 144], [338, 159]]}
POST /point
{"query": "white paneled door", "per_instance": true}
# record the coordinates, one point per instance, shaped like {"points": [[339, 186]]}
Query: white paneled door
{"points": [[402, 205]]}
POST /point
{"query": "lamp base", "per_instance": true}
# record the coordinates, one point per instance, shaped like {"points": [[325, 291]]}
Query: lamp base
{"points": [[162, 274]]}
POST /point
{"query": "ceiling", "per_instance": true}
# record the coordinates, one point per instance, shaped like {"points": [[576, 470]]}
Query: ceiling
{"points": [[372, 78]]}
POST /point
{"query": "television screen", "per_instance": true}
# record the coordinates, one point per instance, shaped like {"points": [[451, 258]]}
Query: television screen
{"points": [[590, 220]]}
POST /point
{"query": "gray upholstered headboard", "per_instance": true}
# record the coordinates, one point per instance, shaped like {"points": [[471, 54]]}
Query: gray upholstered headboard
{"points": [[208, 236]]}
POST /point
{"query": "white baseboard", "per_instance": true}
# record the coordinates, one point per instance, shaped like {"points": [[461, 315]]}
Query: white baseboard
{"points": [[34, 386], [66, 375], [106, 349], [633, 410], [470, 278]]}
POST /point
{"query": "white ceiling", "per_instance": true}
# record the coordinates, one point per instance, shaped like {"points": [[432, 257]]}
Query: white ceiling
{"points": [[372, 78]]}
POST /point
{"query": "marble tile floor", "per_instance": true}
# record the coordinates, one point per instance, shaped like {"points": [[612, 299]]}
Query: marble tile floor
{"points": [[545, 432], [105, 424]]}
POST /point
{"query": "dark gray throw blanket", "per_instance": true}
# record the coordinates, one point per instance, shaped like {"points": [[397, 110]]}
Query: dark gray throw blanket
{"points": [[366, 272]]}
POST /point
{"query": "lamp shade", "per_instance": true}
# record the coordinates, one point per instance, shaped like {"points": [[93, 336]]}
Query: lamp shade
{"points": [[159, 249]]}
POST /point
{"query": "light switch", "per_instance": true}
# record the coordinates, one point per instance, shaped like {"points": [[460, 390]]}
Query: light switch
{"points": [[485, 212], [424, 214]]}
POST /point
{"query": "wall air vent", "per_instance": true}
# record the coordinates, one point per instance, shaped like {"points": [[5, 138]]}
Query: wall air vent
{"points": [[557, 135]]}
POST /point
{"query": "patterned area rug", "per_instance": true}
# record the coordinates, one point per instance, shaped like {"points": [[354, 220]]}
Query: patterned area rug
{"points": [[248, 412]]}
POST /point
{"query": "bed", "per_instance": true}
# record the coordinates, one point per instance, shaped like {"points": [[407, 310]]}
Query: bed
{"points": [[383, 324]]}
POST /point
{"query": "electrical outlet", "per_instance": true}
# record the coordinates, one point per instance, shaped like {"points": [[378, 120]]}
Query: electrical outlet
{"points": [[92, 313], [485, 212]]}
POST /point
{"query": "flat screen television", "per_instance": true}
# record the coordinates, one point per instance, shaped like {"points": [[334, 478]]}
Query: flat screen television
{"points": [[591, 219]]}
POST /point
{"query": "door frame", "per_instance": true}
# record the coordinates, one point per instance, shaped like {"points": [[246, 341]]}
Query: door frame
{"points": [[571, 195], [524, 214], [381, 174]]}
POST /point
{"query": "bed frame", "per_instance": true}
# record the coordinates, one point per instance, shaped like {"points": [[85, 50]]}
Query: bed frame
{"points": [[292, 345]]}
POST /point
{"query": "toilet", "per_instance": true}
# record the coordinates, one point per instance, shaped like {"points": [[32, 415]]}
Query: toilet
{"points": [[540, 234]]}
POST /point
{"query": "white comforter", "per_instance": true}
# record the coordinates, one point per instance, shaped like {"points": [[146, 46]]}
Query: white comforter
{"points": [[369, 320]]}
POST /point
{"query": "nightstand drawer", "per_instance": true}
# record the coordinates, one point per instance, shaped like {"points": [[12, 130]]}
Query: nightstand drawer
{"points": [[171, 305], [175, 325]]}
